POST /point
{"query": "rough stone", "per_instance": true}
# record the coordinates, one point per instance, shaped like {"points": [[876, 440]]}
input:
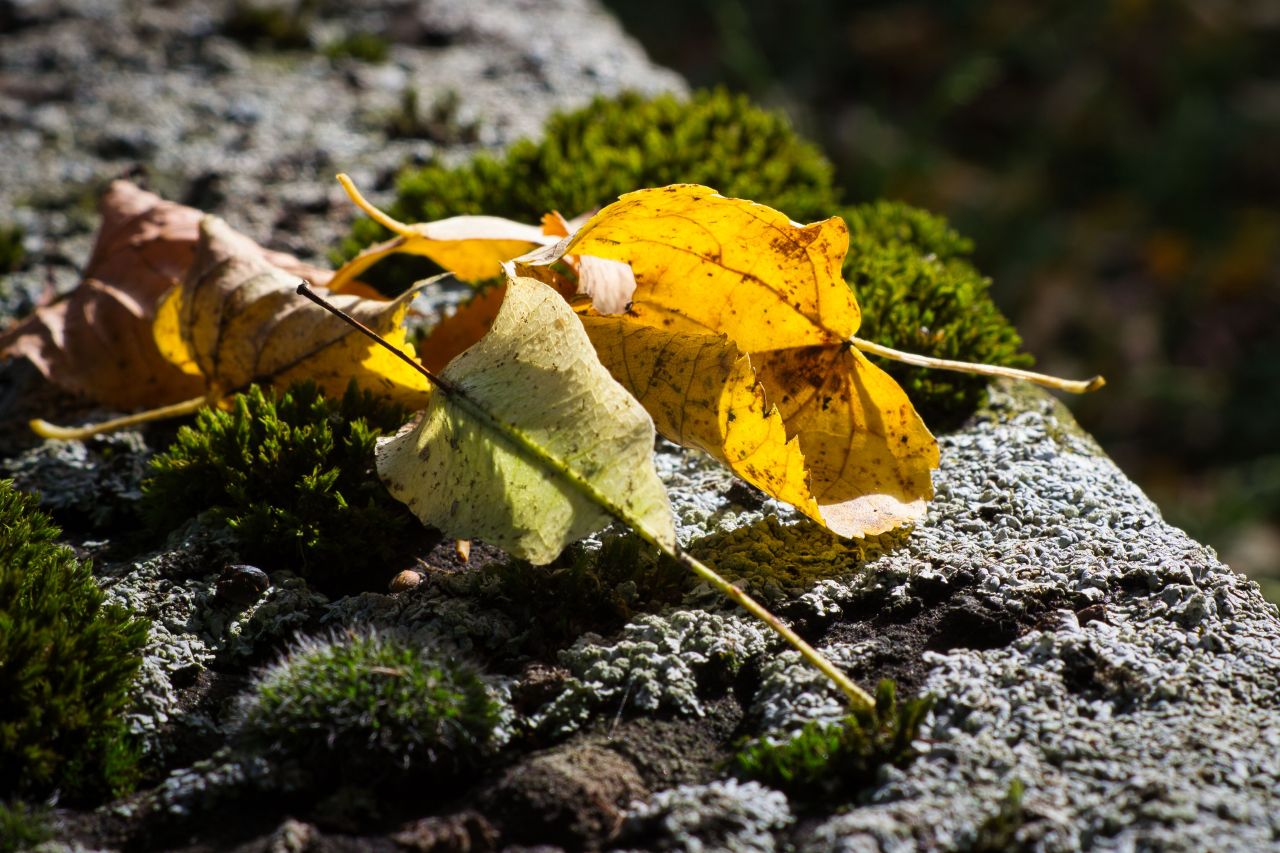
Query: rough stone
{"points": [[570, 796], [1152, 728], [728, 815]]}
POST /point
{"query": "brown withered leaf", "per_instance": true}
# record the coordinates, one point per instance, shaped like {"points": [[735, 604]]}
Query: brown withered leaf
{"points": [[97, 342], [237, 319]]}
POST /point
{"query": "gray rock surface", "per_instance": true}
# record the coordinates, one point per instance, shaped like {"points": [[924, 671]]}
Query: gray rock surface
{"points": [[1154, 725], [1141, 712]]}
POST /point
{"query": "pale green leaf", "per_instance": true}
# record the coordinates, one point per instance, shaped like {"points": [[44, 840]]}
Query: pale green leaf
{"points": [[529, 443]]}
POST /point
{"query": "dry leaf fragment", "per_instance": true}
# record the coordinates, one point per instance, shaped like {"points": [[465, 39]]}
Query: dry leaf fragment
{"points": [[237, 319], [608, 284]]}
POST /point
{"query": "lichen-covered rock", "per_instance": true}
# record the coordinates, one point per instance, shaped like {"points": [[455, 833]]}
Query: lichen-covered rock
{"points": [[191, 628], [94, 484], [1143, 716], [728, 815], [660, 661]]}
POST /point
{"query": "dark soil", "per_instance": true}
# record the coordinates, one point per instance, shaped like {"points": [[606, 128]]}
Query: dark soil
{"points": [[938, 616]]}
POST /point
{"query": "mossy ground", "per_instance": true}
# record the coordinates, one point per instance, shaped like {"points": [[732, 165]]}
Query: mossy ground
{"points": [[822, 761], [22, 826], [66, 661], [12, 254], [292, 476]]}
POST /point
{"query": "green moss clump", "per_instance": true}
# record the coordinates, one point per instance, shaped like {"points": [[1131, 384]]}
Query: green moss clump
{"points": [[826, 759], [292, 477], [270, 26], [365, 708], [440, 122], [22, 826], [919, 293], [66, 661], [589, 157], [12, 254], [366, 47]]}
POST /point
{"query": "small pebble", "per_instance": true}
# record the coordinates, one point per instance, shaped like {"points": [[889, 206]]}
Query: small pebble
{"points": [[405, 581], [241, 585]]}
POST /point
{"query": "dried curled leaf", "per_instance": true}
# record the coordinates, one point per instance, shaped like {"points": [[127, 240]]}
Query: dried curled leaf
{"points": [[529, 443], [237, 319], [708, 265], [98, 342]]}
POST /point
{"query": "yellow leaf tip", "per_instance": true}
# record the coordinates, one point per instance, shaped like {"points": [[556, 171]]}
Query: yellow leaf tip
{"points": [[349, 186], [44, 429]]}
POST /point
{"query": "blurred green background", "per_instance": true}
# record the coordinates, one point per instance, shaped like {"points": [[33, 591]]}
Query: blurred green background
{"points": [[1117, 164]]}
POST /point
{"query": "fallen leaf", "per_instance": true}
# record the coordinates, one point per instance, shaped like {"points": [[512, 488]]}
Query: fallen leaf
{"points": [[471, 247], [608, 284], [701, 392], [469, 322], [708, 265], [530, 443], [237, 319], [97, 342]]}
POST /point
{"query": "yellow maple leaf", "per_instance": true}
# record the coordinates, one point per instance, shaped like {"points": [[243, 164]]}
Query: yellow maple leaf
{"points": [[709, 265], [701, 392]]}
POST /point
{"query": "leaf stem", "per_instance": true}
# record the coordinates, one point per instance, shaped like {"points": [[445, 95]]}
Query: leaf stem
{"points": [[44, 429], [304, 289], [858, 697], [391, 224], [1070, 385]]}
